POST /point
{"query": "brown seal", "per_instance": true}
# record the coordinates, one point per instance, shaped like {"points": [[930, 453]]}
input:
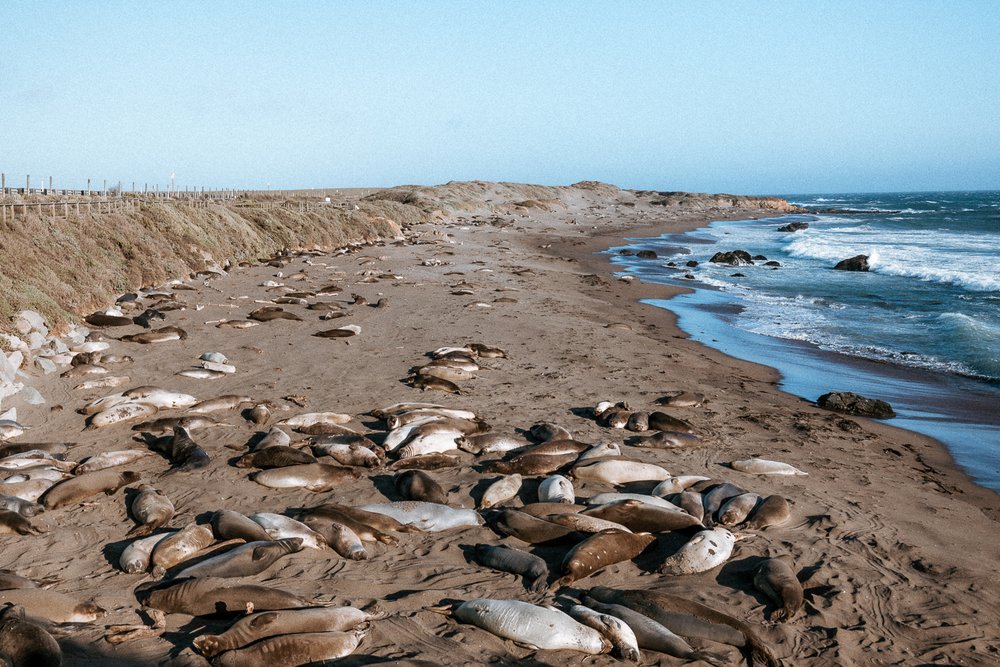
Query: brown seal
{"points": [[89, 484], [340, 537], [508, 559], [600, 550], [638, 516], [425, 382], [12, 523], [301, 648], [776, 579], [270, 313], [661, 421], [229, 525], [25, 642], [528, 528], [151, 509], [245, 560], [315, 477], [772, 511], [433, 461], [531, 464], [183, 452], [278, 456], [207, 596], [52, 606], [418, 485]]}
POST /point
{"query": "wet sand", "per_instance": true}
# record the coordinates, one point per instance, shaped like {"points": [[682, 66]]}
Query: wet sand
{"points": [[895, 546]]}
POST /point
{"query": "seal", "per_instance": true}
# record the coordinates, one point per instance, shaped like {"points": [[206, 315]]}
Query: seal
{"points": [[508, 559], [100, 319], [544, 510], [537, 627], [776, 579], [600, 451], [491, 443], [314, 418], [559, 447], [683, 399], [765, 467], [12, 523], [367, 526], [255, 627], [613, 628], [504, 489], [690, 502], [643, 517], [259, 414], [717, 495], [706, 550], [25, 642], [661, 421], [433, 461], [295, 649], [135, 557], [274, 437], [445, 373], [245, 560], [110, 460], [342, 539], [349, 450], [80, 488], [675, 485], [151, 509], [669, 440], [161, 335], [616, 471], [690, 619], [737, 509], [271, 313], [25, 508], [654, 636], [430, 517], [605, 498], [315, 477], [556, 489], [424, 382], [278, 456], [430, 443], [230, 525], [772, 511], [638, 422], [530, 465], [179, 547], [418, 485], [52, 606], [10, 580], [279, 526], [583, 523], [528, 528], [182, 451], [122, 412], [206, 596], [220, 403], [600, 550]]}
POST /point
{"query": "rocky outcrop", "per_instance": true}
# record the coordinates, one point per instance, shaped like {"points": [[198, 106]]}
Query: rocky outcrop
{"points": [[794, 227], [850, 403], [732, 258], [856, 263], [646, 254]]}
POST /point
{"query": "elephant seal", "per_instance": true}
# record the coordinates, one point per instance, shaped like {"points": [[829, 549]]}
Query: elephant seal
{"points": [[25, 508], [558, 447], [179, 547], [515, 561], [52, 606], [230, 525], [135, 558], [690, 502], [110, 460], [245, 560], [100, 319], [151, 509], [183, 452], [546, 510], [25, 642], [719, 494], [556, 489], [220, 403], [544, 431], [776, 579], [206, 596], [340, 537], [676, 484], [538, 627], [89, 484], [772, 511], [669, 440], [418, 485], [706, 550], [491, 443], [10, 580], [654, 636], [600, 550], [638, 422], [690, 619], [616, 471], [765, 467], [583, 523], [424, 382], [530, 465], [737, 509], [613, 628], [430, 517], [161, 335], [271, 313], [528, 528], [12, 523], [312, 648], [504, 489], [279, 456], [683, 399], [279, 526], [315, 477], [255, 627], [643, 517], [661, 421], [433, 461]]}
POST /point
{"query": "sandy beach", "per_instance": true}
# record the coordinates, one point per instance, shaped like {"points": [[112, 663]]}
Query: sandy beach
{"points": [[895, 547]]}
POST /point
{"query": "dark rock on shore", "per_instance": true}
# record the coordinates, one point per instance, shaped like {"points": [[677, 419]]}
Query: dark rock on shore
{"points": [[732, 258], [772, 263], [646, 254], [693, 263], [857, 263], [854, 404], [794, 227], [738, 275], [759, 258]]}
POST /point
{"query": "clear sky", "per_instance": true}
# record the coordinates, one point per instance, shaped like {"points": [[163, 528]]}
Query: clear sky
{"points": [[748, 97]]}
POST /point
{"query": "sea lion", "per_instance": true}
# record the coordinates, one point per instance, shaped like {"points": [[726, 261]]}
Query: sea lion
{"points": [[316, 477], [531, 625], [654, 636], [504, 489], [668, 440], [245, 560], [737, 509], [80, 488], [418, 485], [229, 525], [661, 421], [184, 453], [508, 559], [275, 457], [765, 467], [110, 460], [295, 649], [179, 547], [254, 627], [706, 550], [279, 526], [152, 509], [643, 517], [490, 443], [556, 489], [51, 606], [772, 511], [776, 579], [12, 523], [530, 464], [528, 528], [206, 596], [135, 557], [600, 550], [25, 642], [430, 517], [690, 619], [613, 628], [617, 471]]}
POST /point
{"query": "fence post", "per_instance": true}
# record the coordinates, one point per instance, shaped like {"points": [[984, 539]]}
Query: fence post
{"points": [[3, 184], [78, 209], [27, 185], [50, 184]]}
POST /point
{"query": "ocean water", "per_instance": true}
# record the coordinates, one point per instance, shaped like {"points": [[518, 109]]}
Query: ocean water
{"points": [[921, 329]]}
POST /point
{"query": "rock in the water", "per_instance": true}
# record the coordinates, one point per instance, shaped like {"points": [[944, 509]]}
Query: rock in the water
{"points": [[794, 227], [854, 404], [693, 263], [646, 254], [732, 258], [857, 263], [626, 252], [772, 263]]}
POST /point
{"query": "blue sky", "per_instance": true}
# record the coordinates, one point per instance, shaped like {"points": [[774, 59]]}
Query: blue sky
{"points": [[749, 97]]}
